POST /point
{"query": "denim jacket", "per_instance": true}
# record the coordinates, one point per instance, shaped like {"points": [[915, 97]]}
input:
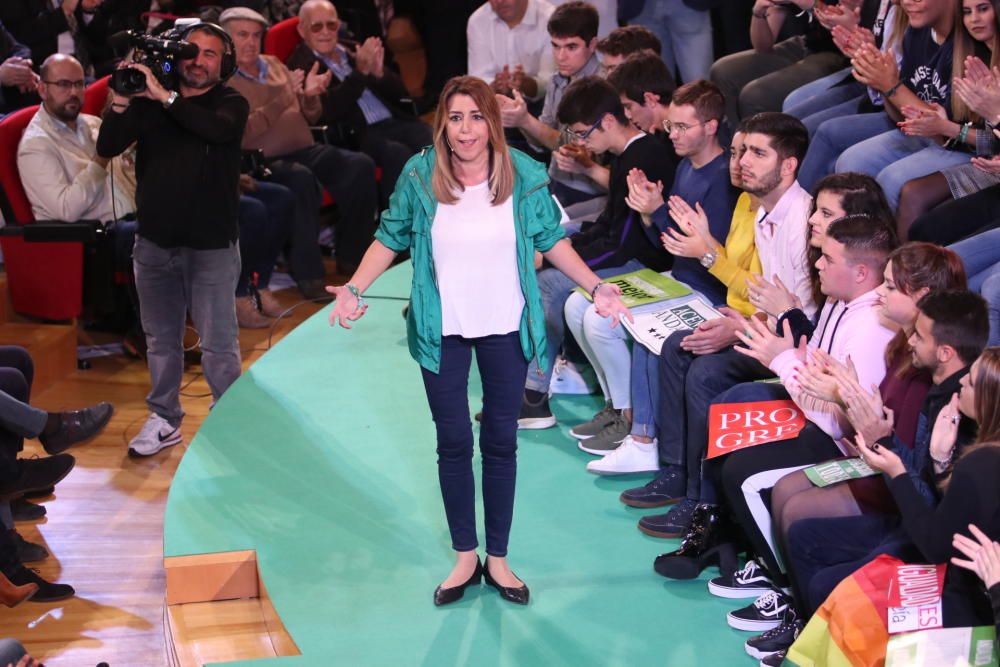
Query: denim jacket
{"points": [[406, 224]]}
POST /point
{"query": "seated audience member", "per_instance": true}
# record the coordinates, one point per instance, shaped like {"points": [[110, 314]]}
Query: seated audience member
{"points": [[854, 254], [841, 94], [57, 431], [837, 196], [695, 366], [645, 87], [573, 33], [282, 106], [363, 93], [933, 117], [267, 213], [685, 31], [964, 481], [702, 176], [509, 46], [66, 27], [759, 79], [976, 91], [980, 254], [614, 243], [733, 265], [914, 80], [17, 80], [65, 179], [907, 393], [627, 41], [981, 556]]}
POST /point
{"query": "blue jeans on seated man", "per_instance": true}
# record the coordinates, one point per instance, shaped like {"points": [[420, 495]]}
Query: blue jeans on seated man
{"points": [[894, 158], [684, 33], [555, 289], [832, 138], [688, 383]]}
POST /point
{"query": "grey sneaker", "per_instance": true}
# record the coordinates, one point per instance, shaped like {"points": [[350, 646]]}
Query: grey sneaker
{"points": [[595, 425], [609, 438]]}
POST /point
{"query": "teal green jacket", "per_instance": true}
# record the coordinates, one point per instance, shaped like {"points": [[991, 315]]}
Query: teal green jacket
{"points": [[406, 224]]}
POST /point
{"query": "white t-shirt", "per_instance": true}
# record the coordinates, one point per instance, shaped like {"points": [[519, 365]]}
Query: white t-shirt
{"points": [[475, 259]]}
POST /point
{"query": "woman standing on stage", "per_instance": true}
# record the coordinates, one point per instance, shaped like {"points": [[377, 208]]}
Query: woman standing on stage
{"points": [[473, 213]]}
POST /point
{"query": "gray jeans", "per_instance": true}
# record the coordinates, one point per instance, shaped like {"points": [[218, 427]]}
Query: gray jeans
{"points": [[172, 282]]}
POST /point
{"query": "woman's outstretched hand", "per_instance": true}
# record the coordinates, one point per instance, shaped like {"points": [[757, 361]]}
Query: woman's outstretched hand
{"points": [[345, 306], [608, 303]]}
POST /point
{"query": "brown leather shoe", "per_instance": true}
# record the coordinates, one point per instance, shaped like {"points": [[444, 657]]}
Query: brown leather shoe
{"points": [[270, 306], [248, 316], [11, 595]]}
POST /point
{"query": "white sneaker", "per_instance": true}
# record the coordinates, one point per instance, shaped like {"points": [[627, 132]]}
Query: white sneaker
{"points": [[568, 378], [631, 456], [156, 434]]}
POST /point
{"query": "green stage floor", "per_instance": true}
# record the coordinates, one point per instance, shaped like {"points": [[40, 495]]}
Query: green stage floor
{"points": [[321, 458]]}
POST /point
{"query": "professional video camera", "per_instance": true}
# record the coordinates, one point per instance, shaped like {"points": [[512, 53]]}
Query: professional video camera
{"points": [[159, 54]]}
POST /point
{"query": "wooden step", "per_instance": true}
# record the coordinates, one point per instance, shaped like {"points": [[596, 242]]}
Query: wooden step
{"points": [[52, 348]]}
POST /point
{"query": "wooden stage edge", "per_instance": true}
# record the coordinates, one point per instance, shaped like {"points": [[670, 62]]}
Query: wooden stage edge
{"points": [[218, 609]]}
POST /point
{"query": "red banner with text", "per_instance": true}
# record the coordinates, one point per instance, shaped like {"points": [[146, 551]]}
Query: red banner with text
{"points": [[736, 426]]}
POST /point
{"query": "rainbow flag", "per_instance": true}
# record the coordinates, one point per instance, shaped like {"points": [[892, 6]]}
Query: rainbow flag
{"points": [[850, 629]]}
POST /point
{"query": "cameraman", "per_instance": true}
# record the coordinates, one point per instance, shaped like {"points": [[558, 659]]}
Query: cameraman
{"points": [[186, 256]]}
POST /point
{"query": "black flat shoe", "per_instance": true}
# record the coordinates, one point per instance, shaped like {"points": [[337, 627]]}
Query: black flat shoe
{"points": [[443, 596], [516, 595]]}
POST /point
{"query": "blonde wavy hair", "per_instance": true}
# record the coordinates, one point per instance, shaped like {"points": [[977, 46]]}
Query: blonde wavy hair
{"points": [[501, 175]]}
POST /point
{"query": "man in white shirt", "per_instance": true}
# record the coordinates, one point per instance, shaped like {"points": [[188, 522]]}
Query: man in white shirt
{"points": [[509, 46]]}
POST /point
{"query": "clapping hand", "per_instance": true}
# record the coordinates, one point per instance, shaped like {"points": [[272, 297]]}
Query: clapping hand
{"points": [[880, 458], [346, 306], [713, 335], [866, 412], [17, 72], [931, 121], [875, 69], [945, 431], [501, 84], [523, 82], [691, 220], [573, 159], [764, 346], [817, 381], [983, 553], [369, 57], [512, 111], [846, 15], [849, 40], [315, 83], [771, 298], [643, 196], [608, 303]]}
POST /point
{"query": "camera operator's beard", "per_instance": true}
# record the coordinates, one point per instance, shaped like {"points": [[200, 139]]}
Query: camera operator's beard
{"points": [[198, 82]]}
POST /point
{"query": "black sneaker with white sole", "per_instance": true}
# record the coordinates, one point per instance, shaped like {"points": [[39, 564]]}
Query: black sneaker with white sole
{"points": [[535, 412], [775, 640], [768, 611], [750, 582]]}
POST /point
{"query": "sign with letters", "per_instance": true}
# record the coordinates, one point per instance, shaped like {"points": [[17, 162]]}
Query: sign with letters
{"points": [[736, 426], [915, 598]]}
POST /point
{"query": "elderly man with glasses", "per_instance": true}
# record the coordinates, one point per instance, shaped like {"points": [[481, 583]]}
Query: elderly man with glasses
{"points": [[362, 93]]}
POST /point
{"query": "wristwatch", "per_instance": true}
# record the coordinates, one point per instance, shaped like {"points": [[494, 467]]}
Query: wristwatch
{"points": [[708, 259], [171, 98]]}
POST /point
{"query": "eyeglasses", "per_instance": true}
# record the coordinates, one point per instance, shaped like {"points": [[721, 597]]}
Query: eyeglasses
{"points": [[66, 84], [582, 136], [681, 128], [317, 27]]}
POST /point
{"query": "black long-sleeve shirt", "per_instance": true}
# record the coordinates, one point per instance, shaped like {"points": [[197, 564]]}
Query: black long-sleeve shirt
{"points": [[973, 496], [617, 235], [187, 165]]}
